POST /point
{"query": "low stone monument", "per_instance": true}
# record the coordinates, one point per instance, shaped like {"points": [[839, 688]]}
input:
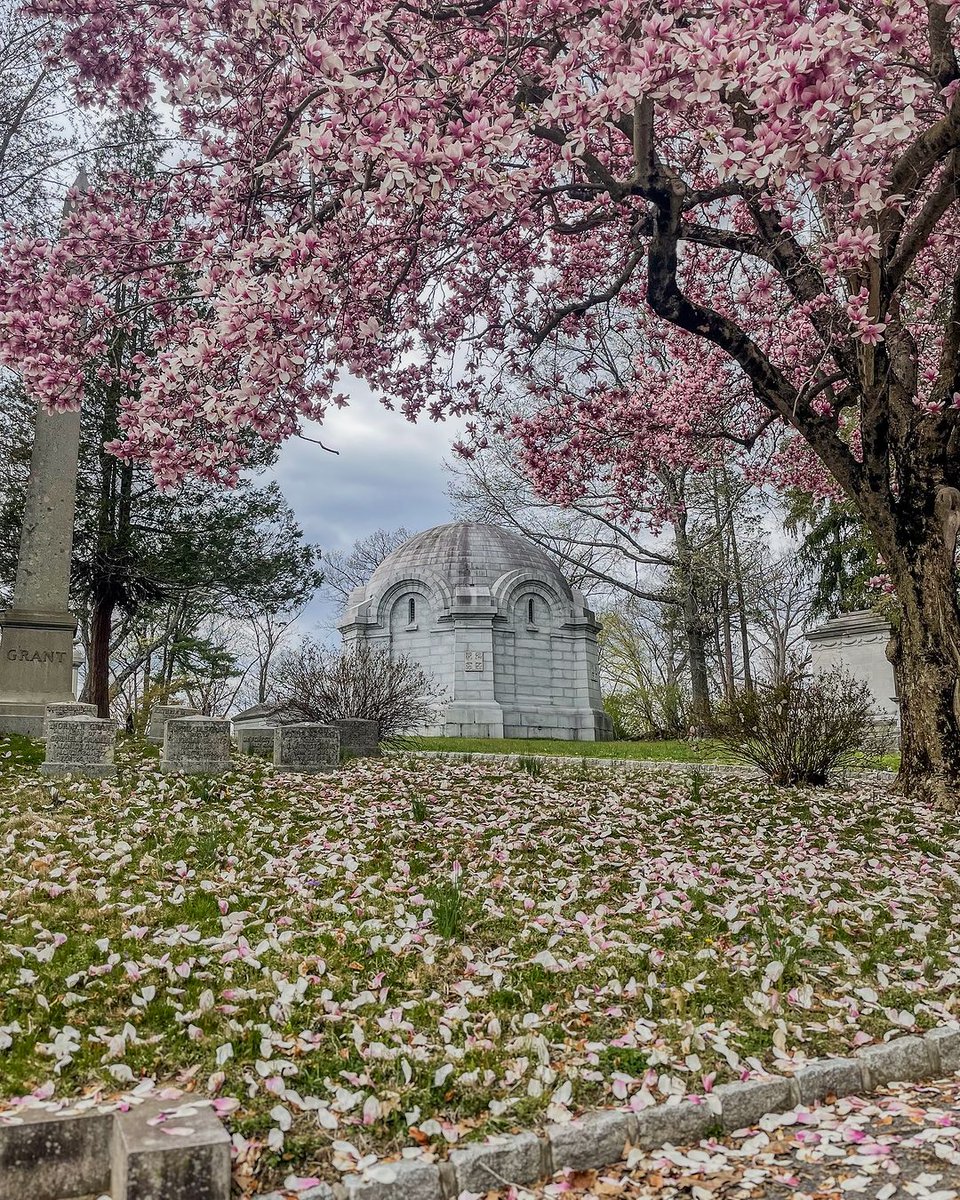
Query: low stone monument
{"points": [[160, 714], [359, 738], [306, 747], [80, 746], [856, 642], [67, 709], [256, 739], [196, 746]]}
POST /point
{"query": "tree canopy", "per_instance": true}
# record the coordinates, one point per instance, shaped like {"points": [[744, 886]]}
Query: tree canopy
{"points": [[759, 197]]}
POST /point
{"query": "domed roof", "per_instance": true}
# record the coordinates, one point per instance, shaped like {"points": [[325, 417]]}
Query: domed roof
{"points": [[467, 554]]}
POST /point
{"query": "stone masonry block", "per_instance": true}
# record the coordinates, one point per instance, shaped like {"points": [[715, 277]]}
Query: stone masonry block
{"points": [[306, 747], [675, 1123], [595, 1140], [743, 1104], [830, 1077], [160, 1154], [66, 709], [412, 1181], [899, 1061], [80, 746], [945, 1044], [196, 746], [495, 1165], [48, 1156]]}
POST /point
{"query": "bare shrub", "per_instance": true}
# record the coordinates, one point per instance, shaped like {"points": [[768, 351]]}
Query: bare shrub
{"points": [[311, 683], [803, 729]]}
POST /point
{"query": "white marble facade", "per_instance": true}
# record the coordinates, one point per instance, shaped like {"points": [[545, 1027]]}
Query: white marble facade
{"points": [[512, 646], [857, 643]]}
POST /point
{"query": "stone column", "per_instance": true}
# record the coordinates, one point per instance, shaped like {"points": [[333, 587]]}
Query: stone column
{"points": [[37, 631], [474, 710]]}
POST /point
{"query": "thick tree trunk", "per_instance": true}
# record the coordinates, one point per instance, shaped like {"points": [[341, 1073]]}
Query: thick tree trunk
{"points": [[925, 652], [98, 664], [696, 643]]}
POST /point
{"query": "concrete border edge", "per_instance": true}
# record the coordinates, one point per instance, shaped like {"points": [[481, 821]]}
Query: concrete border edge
{"points": [[599, 1137]]}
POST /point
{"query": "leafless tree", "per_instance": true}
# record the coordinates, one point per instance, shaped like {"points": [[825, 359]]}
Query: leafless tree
{"points": [[345, 570], [311, 683], [38, 149]]}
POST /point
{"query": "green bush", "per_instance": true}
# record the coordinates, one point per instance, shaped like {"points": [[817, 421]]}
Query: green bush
{"points": [[658, 711], [803, 729]]}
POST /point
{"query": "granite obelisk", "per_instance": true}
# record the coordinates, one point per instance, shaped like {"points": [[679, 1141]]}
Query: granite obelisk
{"points": [[37, 631]]}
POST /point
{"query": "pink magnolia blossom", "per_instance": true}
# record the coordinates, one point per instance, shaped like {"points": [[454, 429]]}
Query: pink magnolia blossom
{"points": [[422, 196]]}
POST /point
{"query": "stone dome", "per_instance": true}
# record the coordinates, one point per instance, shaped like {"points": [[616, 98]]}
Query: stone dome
{"points": [[467, 554]]}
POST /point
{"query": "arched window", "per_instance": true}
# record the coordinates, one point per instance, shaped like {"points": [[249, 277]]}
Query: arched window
{"points": [[411, 610], [531, 610]]}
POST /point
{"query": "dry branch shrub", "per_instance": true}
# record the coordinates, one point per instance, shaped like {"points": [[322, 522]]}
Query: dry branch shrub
{"points": [[311, 683], [803, 729]]}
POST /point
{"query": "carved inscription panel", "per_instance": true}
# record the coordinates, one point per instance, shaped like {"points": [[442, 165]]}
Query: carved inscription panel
{"points": [[473, 660], [41, 656]]}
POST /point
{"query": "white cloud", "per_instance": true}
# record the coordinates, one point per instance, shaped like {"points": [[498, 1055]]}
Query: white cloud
{"points": [[387, 472]]}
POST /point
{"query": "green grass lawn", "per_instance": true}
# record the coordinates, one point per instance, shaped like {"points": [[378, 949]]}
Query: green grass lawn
{"points": [[668, 751], [665, 751], [395, 957]]}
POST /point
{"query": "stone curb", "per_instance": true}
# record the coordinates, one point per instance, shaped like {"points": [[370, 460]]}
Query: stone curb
{"points": [[599, 1138], [157, 1151], [148, 1152], [629, 766]]}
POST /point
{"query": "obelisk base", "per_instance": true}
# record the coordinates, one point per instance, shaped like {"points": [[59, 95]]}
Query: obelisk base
{"points": [[36, 667]]}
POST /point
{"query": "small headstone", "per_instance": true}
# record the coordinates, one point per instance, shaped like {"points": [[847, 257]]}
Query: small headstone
{"points": [[359, 738], [160, 714], [307, 747], [196, 746], [80, 746], [256, 739], [66, 709]]}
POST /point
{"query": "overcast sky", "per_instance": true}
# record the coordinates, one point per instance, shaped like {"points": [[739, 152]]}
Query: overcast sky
{"points": [[388, 473]]}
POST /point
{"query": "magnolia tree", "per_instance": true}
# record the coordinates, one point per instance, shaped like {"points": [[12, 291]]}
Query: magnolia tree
{"points": [[761, 195]]}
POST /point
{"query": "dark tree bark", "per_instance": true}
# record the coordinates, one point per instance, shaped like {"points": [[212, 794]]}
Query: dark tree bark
{"points": [[98, 664], [693, 630]]}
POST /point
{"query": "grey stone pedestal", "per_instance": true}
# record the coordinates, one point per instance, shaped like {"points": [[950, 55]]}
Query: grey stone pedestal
{"points": [[196, 746], [306, 747], [80, 746], [36, 667]]}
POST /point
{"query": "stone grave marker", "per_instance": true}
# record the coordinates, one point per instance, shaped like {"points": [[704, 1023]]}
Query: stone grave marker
{"points": [[80, 746], [307, 747], [359, 738], [160, 714], [196, 746], [66, 709], [256, 739]]}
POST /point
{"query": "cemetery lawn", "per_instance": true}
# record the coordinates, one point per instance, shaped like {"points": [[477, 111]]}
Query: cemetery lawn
{"points": [[411, 953], [675, 750], [669, 750]]}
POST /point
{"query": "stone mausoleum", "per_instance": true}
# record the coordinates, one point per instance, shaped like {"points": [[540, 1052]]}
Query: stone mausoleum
{"points": [[488, 615], [856, 643]]}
